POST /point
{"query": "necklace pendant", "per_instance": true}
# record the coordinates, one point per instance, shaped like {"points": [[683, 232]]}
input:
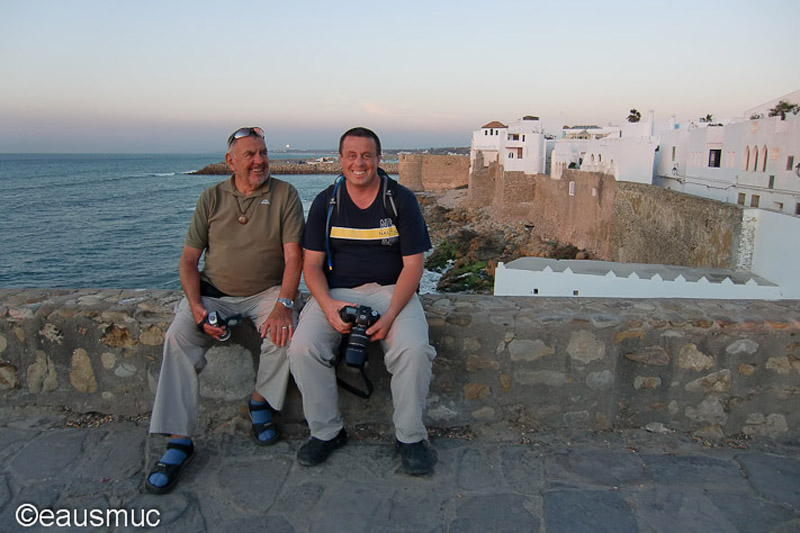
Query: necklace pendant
{"points": [[243, 219]]}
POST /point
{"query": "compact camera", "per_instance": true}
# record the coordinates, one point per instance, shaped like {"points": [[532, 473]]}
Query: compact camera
{"points": [[362, 317], [217, 320]]}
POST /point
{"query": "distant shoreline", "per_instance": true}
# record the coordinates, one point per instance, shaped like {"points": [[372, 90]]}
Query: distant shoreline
{"points": [[290, 166]]}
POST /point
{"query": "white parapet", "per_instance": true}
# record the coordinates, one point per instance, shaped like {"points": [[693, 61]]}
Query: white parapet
{"points": [[534, 276]]}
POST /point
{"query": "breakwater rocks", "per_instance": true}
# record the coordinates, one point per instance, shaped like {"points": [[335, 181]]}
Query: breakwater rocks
{"points": [[290, 166], [505, 365]]}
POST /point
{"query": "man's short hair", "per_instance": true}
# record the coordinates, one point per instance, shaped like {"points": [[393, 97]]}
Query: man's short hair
{"points": [[360, 132]]}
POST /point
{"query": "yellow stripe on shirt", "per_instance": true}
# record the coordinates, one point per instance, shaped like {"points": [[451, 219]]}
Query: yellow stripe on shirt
{"points": [[364, 234]]}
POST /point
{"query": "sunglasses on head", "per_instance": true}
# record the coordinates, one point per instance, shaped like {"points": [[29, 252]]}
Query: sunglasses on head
{"points": [[245, 132]]}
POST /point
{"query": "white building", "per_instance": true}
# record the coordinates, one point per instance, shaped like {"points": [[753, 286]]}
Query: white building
{"points": [[627, 153], [754, 163], [520, 146], [489, 140]]}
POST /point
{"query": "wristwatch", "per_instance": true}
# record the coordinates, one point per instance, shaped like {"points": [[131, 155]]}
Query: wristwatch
{"points": [[287, 303]]}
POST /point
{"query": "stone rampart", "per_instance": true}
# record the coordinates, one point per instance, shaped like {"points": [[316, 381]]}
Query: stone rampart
{"points": [[580, 214], [656, 225], [483, 182], [504, 364], [421, 172], [616, 221]]}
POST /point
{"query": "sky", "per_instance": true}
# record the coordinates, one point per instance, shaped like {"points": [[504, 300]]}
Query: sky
{"points": [[179, 76]]}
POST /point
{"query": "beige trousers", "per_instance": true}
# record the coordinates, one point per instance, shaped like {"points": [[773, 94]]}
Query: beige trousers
{"points": [[407, 354], [178, 393]]}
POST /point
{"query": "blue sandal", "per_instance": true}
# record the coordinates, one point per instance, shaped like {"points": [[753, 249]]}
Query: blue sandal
{"points": [[170, 471], [267, 424]]}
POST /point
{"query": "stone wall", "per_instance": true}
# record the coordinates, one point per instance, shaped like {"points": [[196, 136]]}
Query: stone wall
{"points": [[483, 181], [515, 195], [616, 221], [420, 172], [656, 225], [505, 364], [583, 219]]}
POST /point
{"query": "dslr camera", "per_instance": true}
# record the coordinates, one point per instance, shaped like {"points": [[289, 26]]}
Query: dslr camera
{"points": [[362, 317], [217, 320]]}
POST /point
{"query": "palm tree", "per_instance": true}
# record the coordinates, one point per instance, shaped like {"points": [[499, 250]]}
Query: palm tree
{"points": [[634, 116], [782, 108]]}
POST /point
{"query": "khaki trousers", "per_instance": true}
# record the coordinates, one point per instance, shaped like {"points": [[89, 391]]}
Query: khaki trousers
{"points": [[178, 393], [407, 354]]}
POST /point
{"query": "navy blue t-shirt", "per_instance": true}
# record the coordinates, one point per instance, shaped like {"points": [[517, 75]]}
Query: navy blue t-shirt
{"points": [[366, 245]]}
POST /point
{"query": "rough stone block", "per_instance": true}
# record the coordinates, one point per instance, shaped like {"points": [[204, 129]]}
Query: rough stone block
{"points": [[529, 350], [651, 355], [9, 379], [584, 347], [229, 373], [715, 382], [81, 374]]}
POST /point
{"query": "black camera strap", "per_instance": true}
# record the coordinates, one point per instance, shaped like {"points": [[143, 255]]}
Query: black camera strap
{"points": [[365, 394]]}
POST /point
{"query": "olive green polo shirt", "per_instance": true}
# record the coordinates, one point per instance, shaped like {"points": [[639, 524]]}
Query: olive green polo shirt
{"points": [[245, 259]]}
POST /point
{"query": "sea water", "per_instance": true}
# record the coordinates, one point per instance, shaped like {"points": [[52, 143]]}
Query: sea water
{"points": [[106, 220]]}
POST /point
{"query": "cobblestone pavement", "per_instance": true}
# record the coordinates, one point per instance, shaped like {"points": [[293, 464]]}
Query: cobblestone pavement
{"points": [[615, 481]]}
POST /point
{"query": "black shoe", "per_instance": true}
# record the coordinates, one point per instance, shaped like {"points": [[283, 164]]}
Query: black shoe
{"points": [[316, 450], [418, 458]]}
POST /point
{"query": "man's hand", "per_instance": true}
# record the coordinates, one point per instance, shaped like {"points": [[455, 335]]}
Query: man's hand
{"points": [[331, 310], [278, 326], [199, 313], [380, 329]]}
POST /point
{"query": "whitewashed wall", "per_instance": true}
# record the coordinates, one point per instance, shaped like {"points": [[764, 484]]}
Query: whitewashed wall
{"points": [[776, 253]]}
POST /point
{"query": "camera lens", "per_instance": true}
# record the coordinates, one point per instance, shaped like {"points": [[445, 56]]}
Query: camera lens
{"points": [[356, 355]]}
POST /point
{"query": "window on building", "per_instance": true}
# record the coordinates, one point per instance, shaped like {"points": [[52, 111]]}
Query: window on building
{"points": [[764, 160], [572, 188], [779, 206], [754, 200], [714, 158], [790, 162], [511, 155], [486, 133], [747, 158], [771, 182], [755, 158], [741, 198], [523, 138], [797, 209], [673, 153], [599, 158]]}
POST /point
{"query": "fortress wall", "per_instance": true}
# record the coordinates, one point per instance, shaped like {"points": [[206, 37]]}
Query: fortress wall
{"points": [[421, 172], [656, 225], [409, 167], [514, 195], [504, 365], [628, 222], [482, 182], [584, 218]]}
